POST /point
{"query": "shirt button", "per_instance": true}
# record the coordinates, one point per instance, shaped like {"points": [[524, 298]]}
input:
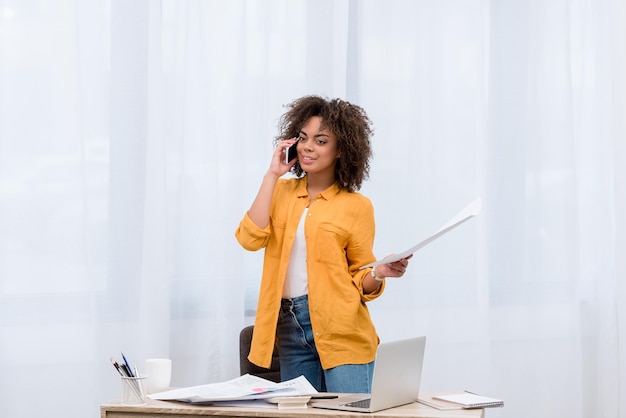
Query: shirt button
{"points": [[310, 214]]}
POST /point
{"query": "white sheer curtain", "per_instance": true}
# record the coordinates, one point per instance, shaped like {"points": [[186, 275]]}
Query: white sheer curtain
{"points": [[134, 135]]}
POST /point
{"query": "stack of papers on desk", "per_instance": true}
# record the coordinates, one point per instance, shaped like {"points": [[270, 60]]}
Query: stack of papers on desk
{"points": [[238, 391]]}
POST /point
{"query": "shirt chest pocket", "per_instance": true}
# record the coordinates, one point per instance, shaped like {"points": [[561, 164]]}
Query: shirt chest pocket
{"points": [[331, 242]]}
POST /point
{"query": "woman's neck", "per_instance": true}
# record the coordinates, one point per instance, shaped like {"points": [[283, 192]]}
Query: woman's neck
{"points": [[317, 184]]}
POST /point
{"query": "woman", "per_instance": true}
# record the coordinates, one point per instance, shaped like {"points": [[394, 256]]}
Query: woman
{"points": [[317, 231]]}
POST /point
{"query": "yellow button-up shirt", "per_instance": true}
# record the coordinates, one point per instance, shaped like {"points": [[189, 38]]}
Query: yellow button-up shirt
{"points": [[339, 233]]}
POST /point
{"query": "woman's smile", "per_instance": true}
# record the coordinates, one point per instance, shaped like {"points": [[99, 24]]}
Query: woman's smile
{"points": [[306, 159]]}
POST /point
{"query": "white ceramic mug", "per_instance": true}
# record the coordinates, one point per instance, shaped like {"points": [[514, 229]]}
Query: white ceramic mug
{"points": [[159, 371]]}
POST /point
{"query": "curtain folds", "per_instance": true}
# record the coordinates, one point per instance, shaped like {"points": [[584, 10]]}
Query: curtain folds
{"points": [[134, 136]]}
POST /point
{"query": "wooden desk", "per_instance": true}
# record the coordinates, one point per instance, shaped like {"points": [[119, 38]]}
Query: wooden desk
{"points": [[167, 409]]}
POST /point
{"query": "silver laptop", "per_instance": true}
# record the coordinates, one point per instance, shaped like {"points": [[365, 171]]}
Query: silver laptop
{"points": [[396, 381]]}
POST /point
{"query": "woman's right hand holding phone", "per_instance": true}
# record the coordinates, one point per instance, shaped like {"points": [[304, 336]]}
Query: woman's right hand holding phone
{"points": [[278, 165], [259, 212]]}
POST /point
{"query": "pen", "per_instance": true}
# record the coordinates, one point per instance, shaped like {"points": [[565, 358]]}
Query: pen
{"points": [[322, 395], [117, 367], [128, 366], [125, 370], [138, 381]]}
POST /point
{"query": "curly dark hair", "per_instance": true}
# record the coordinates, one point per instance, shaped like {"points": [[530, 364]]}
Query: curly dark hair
{"points": [[347, 121]]}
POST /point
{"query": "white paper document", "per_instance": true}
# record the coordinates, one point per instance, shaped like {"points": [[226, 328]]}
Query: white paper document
{"points": [[246, 387], [471, 210]]}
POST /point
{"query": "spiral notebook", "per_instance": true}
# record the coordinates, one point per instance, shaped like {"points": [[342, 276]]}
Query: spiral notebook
{"points": [[470, 400]]}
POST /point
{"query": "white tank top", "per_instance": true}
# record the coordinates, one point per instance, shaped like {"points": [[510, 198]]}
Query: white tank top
{"points": [[296, 282]]}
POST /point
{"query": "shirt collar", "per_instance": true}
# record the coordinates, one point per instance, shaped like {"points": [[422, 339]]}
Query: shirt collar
{"points": [[326, 194]]}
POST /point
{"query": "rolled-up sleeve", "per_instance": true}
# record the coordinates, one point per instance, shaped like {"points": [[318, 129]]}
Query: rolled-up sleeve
{"points": [[250, 236]]}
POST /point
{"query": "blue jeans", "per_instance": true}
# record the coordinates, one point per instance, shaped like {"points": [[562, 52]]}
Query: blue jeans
{"points": [[298, 355]]}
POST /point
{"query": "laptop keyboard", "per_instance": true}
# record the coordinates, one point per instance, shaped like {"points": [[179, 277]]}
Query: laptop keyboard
{"points": [[363, 403]]}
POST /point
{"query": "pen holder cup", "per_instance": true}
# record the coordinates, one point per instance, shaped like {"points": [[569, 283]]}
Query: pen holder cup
{"points": [[134, 390]]}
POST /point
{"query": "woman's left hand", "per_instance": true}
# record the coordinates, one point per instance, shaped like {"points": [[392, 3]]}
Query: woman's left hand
{"points": [[395, 269]]}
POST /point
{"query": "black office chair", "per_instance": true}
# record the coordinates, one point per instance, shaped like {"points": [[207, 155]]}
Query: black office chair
{"points": [[246, 367]]}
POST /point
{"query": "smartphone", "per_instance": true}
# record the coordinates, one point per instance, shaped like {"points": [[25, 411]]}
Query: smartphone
{"points": [[291, 153]]}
